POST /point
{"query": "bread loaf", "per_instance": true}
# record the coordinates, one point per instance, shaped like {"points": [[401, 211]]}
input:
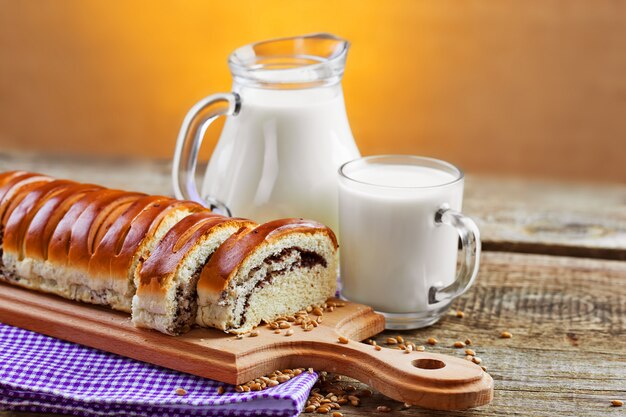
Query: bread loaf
{"points": [[80, 241], [172, 263]]}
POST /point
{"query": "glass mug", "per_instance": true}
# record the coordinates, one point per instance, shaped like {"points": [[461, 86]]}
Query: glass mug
{"points": [[285, 136], [399, 222]]}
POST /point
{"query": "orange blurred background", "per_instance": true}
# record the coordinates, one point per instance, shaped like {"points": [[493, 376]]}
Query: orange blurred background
{"points": [[504, 87]]}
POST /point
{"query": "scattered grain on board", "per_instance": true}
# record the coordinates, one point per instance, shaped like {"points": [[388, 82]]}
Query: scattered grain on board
{"points": [[269, 381], [308, 318], [366, 392]]}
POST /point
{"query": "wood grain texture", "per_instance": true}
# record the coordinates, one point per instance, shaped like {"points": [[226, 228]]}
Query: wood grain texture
{"points": [[567, 356], [567, 219], [455, 384]]}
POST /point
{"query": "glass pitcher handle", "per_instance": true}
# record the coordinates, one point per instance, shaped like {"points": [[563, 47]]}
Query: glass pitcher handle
{"points": [[470, 245], [190, 137]]}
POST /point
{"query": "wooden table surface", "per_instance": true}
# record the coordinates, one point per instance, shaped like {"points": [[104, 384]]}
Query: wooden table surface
{"points": [[553, 274]]}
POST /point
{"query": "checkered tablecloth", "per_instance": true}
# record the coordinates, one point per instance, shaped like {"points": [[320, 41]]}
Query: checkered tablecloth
{"points": [[42, 374]]}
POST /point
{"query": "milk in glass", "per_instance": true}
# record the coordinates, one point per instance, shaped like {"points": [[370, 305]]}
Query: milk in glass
{"points": [[393, 251]]}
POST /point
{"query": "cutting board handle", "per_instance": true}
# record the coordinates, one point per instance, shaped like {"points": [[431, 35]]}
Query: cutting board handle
{"points": [[425, 379]]}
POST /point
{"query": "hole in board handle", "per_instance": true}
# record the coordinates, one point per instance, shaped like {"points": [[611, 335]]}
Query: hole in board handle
{"points": [[428, 363]]}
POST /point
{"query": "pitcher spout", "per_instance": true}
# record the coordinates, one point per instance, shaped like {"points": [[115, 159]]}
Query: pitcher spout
{"points": [[296, 62]]}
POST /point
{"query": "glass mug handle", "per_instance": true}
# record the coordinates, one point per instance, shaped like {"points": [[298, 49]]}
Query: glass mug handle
{"points": [[190, 137], [470, 244]]}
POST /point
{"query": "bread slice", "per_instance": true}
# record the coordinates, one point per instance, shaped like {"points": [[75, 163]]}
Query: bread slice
{"points": [[166, 281], [273, 270], [82, 241]]}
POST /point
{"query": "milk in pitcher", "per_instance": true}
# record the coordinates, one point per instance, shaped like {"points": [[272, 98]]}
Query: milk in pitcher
{"points": [[285, 136], [279, 156]]}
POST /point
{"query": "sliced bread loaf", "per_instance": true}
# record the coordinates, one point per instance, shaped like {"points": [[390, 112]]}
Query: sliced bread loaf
{"points": [[166, 281]]}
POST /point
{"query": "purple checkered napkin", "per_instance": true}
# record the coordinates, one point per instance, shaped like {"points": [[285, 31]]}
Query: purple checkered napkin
{"points": [[42, 374]]}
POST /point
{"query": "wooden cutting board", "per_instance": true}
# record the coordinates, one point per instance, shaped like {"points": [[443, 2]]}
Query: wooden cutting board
{"points": [[424, 379]]}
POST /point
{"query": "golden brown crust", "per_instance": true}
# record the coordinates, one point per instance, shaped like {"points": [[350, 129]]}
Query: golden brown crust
{"points": [[179, 240], [82, 225], [69, 244], [227, 259], [9, 179], [117, 248], [8, 176], [15, 188], [45, 221], [18, 221]]}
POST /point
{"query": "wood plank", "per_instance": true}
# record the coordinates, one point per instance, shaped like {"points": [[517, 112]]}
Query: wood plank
{"points": [[568, 351], [148, 176], [455, 384], [567, 355], [565, 219], [513, 215]]}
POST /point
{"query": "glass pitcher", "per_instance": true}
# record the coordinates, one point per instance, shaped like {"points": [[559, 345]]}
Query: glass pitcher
{"points": [[285, 135]]}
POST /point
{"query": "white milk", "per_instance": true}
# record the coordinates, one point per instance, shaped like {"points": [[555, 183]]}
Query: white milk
{"points": [[279, 156], [391, 250]]}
